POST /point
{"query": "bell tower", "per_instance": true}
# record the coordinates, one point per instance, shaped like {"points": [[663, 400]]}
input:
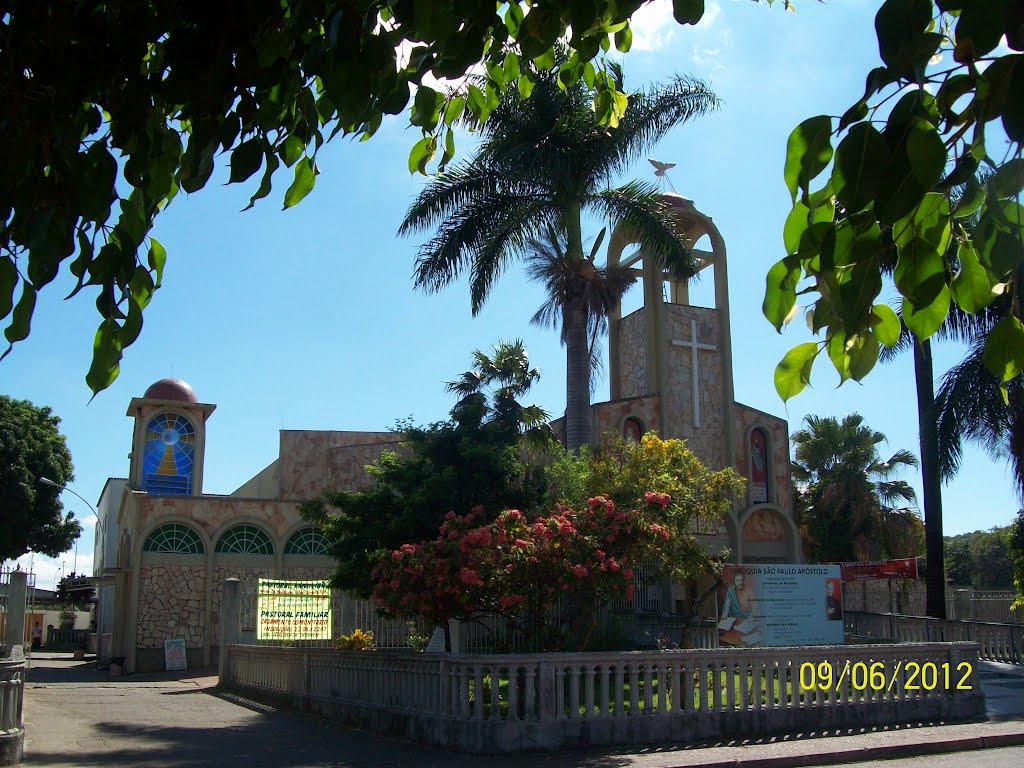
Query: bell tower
{"points": [[673, 351], [169, 440]]}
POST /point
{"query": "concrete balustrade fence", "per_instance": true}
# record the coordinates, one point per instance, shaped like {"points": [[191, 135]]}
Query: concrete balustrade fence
{"points": [[996, 642], [12, 728], [512, 703]]}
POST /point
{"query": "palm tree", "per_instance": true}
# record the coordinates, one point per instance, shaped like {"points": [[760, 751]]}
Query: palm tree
{"points": [[495, 385], [569, 281], [848, 506], [970, 405], [542, 162]]}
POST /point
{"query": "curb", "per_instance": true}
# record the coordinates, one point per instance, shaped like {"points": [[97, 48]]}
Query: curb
{"points": [[864, 754]]}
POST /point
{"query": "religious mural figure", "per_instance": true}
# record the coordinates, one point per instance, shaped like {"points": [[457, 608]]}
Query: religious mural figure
{"points": [[833, 600], [737, 599], [758, 467], [631, 430]]}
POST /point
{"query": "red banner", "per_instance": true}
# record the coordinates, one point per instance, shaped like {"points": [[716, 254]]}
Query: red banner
{"points": [[882, 569]]}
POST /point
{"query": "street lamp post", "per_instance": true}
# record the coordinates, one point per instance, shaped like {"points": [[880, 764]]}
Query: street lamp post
{"points": [[47, 481]]}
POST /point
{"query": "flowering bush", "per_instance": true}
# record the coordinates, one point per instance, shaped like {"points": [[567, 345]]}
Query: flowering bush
{"points": [[518, 568], [359, 640]]}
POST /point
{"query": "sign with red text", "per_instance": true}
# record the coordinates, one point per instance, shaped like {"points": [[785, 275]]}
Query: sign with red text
{"points": [[293, 610], [880, 569]]}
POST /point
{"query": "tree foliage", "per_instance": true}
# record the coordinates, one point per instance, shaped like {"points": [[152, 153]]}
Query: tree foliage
{"points": [[847, 500], [980, 559], [475, 459], [934, 113], [32, 517], [113, 106], [1015, 540]]}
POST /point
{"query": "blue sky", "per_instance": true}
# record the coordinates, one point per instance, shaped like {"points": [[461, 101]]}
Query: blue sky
{"points": [[306, 318]]}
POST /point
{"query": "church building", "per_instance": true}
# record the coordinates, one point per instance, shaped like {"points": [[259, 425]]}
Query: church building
{"points": [[164, 547]]}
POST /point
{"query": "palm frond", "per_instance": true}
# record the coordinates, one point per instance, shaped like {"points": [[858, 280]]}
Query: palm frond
{"points": [[639, 207]]}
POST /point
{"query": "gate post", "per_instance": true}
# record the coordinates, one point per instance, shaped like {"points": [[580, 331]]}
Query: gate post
{"points": [[14, 636], [230, 624]]}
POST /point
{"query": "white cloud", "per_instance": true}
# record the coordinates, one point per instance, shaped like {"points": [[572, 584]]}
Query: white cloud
{"points": [[654, 27]]}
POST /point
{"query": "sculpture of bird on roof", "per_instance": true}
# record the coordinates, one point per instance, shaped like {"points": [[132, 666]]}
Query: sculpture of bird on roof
{"points": [[661, 169]]}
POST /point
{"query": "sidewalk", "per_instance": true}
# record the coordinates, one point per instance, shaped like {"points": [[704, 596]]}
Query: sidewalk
{"points": [[78, 716]]}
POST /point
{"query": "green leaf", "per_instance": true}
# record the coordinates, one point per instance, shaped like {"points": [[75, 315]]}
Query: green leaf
{"points": [[885, 324], [157, 259], [688, 11], [927, 153], [514, 19], [246, 159], [780, 291], [511, 67], [794, 372], [900, 26], [925, 320], [426, 108], [546, 60], [268, 174], [305, 177], [624, 39], [835, 345], [862, 158], [21, 319], [291, 150], [971, 200], [972, 286], [863, 351], [525, 84], [455, 108], [1008, 180], [808, 152], [1004, 349], [106, 356], [979, 28], [8, 281]]}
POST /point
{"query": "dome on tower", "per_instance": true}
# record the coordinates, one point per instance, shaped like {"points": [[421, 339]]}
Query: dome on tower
{"points": [[172, 389]]}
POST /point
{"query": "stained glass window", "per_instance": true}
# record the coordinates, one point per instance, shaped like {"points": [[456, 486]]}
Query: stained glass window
{"points": [[174, 538], [245, 540], [168, 455], [306, 541]]}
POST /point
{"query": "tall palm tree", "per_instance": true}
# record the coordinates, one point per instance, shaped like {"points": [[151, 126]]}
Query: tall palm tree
{"points": [[543, 161], [568, 281], [848, 507]]}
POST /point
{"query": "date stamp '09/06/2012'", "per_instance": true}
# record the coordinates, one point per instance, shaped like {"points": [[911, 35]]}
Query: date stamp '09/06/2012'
{"points": [[880, 676]]}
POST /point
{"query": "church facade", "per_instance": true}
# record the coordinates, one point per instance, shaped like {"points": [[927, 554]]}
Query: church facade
{"points": [[164, 547], [671, 370]]}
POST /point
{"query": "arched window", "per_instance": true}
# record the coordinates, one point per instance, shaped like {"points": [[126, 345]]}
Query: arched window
{"points": [[168, 455], [760, 471], [306, 541], [174, 538], [632, 430], [244, 540]]}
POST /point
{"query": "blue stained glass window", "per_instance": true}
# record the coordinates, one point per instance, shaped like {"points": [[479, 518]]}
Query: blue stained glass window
{"points": [[168, 455]]}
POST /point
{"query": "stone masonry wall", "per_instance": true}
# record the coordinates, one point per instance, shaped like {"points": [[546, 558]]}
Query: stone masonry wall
{"points": [[633, 354], [171, 602], [707, 440], [747, 418]]}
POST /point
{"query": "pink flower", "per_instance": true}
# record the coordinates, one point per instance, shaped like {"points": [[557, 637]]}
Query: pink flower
{"points": [[627, 573], [579, 571]]}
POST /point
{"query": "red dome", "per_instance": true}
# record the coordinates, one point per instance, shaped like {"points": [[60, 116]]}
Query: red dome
{"points": [[172, 389]]}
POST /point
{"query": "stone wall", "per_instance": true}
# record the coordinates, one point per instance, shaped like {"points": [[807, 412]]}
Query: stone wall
{"points": [[706, 441], [609, 417], [306, 463], [248, 575], [747, 418], [172, 599], [633, 355]]}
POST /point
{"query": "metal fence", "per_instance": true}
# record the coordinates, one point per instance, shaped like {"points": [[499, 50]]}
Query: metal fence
{"points": [[996, 642]]}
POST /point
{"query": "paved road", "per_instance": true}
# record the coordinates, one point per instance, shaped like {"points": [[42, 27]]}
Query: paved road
{"points": [[1010, 757], [78, 716]]}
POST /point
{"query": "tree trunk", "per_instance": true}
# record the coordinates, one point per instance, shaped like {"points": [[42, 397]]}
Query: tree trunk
{"points": [[577, 377], [578, 430], [935, 602]]}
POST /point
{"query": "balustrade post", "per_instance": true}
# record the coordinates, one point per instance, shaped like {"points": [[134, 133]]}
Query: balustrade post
{"points": [[547, 691]]}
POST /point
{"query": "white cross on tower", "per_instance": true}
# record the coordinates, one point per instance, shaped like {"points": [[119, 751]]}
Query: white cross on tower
{"points": [[694, 345]]}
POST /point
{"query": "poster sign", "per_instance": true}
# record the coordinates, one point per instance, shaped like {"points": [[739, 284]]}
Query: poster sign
{"points": [[780, 605], [882, 569], [293, 610], [174, 655]]}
